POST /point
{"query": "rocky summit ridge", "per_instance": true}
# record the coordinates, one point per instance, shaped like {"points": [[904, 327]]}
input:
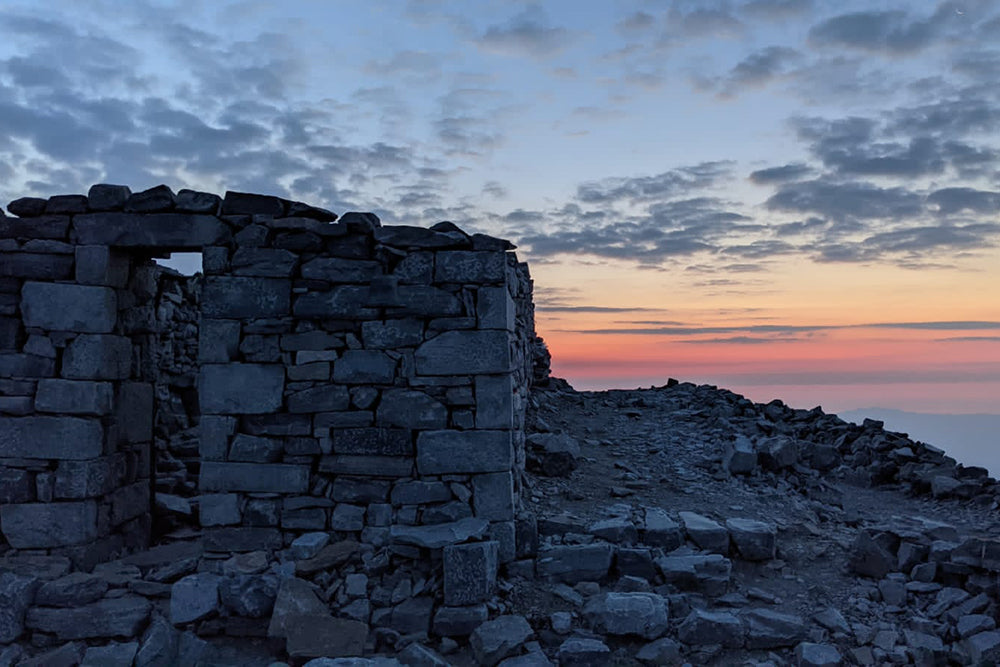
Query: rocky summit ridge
{"points": [[678, 525]]}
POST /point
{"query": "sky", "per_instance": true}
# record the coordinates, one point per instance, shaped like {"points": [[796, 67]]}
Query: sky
{"points": [[795, 199]]}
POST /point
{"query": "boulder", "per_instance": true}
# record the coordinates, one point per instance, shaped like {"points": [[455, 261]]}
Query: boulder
{"points": [[808, 654], [641, 614], [193, 597], [583, 652], [110, 617], [771, 629], [553, 454], [706, 533], [494, 640], [711, 627], [17, 593], [573, 563], [754, 540]]}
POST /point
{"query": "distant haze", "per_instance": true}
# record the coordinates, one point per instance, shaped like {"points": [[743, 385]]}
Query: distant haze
{"points": [[969, 439]]}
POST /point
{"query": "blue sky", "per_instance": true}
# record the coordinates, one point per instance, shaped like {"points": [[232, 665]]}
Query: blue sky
{"points": [[710, 164]]}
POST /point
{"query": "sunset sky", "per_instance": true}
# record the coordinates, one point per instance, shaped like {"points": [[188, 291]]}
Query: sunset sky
{"points": [[794, 199]]}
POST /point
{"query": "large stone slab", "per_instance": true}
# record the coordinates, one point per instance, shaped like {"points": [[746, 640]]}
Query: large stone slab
{"points": [[470, 572], [46, 525], [439, 535], [392, 333], [411, 409], [240, 388], [254, 477], [98, 357], [193, 597], [465, 353], [321, 635], [238, 297], [337, 270], [373, 441], [68, 396], [16, 595], [65, 307], [325, 398], [461, 266], [265, 262], [706, 533], [364, 367], [36, 266], [89, 478], [348, 302], [176, 231], [50, 438], [639, 614], [573, 563], [112, 617], [455, 452]]}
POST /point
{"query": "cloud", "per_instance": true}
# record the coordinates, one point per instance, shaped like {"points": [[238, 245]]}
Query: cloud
{"points": [[787, 172], [552, 308], [758, 69], [793, 329], [841, 201], [526, 34], [955, 200], [889, 32], [635, 22], [776, 9], [674, 182], [412, 65]]}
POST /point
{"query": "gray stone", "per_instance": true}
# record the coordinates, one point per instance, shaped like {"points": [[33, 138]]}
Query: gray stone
{"points": [[308, 545], [704, 532], [469, 452], [470, 572], [134, 411], [439, 535], [159, 644], [573, 563], [264, 262], [110, 617], [493, 496], [424, 301], [67, 307], [249, 595], [661, 531], [193, 597], [419, 492], [348, 302], [465, 353], [348, 518], [373, 441], [326, 398], [191, 201], [554, 454], [868, 558], [154, 200], [255, 449], [983, 648], [495, 308], [177, 231], [460, 266], [772, 629], [708, 627], [27, 207], [755, 540], [130, 501], [415, 268], [367, 466], [406, 236], [808, 654], [583, 652], [707, 573], [16, 486], [663, 651], [459, 621], [214, 432], [321, 635], [295, 598], [619, 530], [411, 409], [107, 197], [17, 593], [740, 457], [347, 490], [67, 655], [494, 401], [67, 396], [98, 357], [50, 438], [641, 614], [115, 654], [227, 297], [392, 333], [66, 204], [418, 655], [364, 367], [218, 340], [495, 640], [101, 265], [973, 624], [778, 452], [254, 477], [412, 616], [74, 589], [337, 270], [13, 365], [45, 525], [36, 266], [240, 388]]}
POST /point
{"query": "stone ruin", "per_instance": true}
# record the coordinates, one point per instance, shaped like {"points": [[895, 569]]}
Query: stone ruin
{"points": [[325, 375]]}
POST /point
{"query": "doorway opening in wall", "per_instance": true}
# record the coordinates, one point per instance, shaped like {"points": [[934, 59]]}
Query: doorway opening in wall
{"points": [[174, 367]]}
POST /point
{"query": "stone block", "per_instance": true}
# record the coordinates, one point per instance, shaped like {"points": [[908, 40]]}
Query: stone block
{"points": [[420, 492], [51, 438], [14, 365], [98, 357], [373, 441], [238, 297], [129, 502], [336, 270], [191, 201], [254, 477], [637, 614], [464, 452], [214, 432], [415, 268], [255, 449], [495, 308], [411, 409], [755, 540], [347, 302], [246, 203], [107, 197], [115, 654], [706, 533], [347, 517], [219, 509], [135, 411], [465, 353], [47, 525], [321, 635], [574, 563], [176, 231], [264, 262], [470, 572], [277, 424], [494, 401], [242, 538], [437, 536], [364, 367], [17, 592], [425, 301], [325, 398], [459, 621], [306, 518], [367, 466], [35, 227], [101, 265], [111, 617], [240, 388], [72, 590], [390, 334], [461, 266], [16, 486], [66, 204], [193, 597], [218, 340], [493, 496], [363, 491], [88, 479], [67, 307], [36, 266], [73, 397]]}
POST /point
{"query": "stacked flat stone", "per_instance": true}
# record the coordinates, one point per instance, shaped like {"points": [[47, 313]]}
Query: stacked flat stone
{"points": [[364, 380]]}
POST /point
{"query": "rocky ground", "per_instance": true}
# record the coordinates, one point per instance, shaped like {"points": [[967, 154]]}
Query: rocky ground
{"points": [[672, 525]]}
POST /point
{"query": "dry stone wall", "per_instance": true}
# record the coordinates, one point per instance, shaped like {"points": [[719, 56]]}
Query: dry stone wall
{"points": [[350, 378]]}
